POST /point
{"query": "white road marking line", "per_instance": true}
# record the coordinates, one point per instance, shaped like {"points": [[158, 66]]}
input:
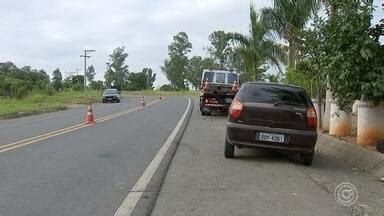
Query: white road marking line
{"points": [[138, 189]]}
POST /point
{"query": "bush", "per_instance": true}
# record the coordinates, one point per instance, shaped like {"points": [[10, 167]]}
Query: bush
{"points": [[167, 88], [15, 87], [97, 85], [36, 98], [21, 91], [78, 87], [57, 85], [50, 90]]}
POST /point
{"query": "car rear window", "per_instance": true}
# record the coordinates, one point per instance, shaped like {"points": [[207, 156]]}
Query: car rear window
{"points": [[272, 95], [220, 77]]}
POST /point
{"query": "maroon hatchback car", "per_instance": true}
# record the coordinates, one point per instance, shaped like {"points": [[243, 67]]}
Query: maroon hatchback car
{"points": [[273, 116]]}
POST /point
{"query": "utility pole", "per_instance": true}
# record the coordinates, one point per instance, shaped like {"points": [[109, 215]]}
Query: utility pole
{"points": [[85, 56]]}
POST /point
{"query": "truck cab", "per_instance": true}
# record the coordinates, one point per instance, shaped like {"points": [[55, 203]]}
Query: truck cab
{"points": [[218, 88]]}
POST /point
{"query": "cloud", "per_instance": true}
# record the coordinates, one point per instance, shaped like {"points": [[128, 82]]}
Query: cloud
{"points": [[49, 34]]}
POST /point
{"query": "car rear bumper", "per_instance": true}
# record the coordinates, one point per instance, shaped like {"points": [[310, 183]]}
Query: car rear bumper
{"points": [[294, 140], [110, 99]]}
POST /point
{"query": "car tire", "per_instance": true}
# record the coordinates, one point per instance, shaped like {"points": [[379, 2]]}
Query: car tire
{"points": [[307, 158], [229, 151], [203, 113], [118, 101]]}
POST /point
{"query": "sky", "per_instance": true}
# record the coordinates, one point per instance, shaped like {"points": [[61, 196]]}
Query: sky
{"points": [[46, 34]]}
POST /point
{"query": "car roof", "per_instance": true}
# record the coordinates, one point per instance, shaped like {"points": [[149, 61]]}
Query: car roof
{"points": [[220, 71], [279, 85]]}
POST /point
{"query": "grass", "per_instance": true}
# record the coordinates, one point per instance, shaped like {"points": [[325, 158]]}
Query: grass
{"points": [[190, 93], [40, 103]]}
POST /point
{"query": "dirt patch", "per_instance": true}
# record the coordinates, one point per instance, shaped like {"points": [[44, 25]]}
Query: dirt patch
{"points": [[350, 139]]}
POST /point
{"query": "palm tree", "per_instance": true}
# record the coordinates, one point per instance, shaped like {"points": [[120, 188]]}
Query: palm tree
{"points": [[287, 18], [258, 48]]}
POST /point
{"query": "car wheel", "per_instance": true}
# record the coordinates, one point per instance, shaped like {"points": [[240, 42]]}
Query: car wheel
{"points": [[229, 151], [203, 113], [118, 101], [307, 158]]}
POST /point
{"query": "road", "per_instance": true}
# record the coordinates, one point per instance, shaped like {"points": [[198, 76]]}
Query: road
{"points": [[53, 164]]}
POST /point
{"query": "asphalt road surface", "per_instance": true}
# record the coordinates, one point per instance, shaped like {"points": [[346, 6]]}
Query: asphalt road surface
{"points": [[53, 164]]}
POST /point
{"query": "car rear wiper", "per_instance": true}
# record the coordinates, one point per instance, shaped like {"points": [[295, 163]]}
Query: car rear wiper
{"points": [[287, 103]]}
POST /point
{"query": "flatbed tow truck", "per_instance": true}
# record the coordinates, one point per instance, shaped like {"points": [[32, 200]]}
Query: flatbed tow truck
{"points": [[218, 88]]}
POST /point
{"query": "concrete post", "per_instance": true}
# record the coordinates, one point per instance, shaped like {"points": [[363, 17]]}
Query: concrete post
{"points": [[327, 110], [340, 122], [370, 123]]}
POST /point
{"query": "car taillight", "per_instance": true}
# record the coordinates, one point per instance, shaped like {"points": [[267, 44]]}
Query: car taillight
{"points": [[311, 117], [235, 108]]}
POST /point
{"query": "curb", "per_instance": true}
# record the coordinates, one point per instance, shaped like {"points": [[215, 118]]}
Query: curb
{"points": [[148, 199], [370, 161]]}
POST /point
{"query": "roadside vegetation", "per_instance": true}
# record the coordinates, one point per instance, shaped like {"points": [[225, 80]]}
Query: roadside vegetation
{"points": [[39, 102]]}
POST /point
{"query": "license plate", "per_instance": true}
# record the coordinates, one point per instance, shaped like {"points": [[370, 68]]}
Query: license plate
{"points": [[271, 137], [109, 98]]}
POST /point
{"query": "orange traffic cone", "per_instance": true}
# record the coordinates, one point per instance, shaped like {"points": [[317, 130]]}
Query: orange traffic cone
{"points": [[89, 119], [142, 101]]}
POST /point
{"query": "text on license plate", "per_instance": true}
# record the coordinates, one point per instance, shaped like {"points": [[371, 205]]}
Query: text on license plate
{"points": [[270, 137]]}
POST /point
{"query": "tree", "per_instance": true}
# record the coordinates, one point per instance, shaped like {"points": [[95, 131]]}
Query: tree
{"points": [[236, 61], [175, 68], [57, 79], [349, 54], [78, 79], [137, 81], [301, 76], [273, 78], [90, 75], [258, 48], [117, 71], [151, 77], [96, 85], [287, 18], [17, 82], [220, 47], [195, 70]]}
